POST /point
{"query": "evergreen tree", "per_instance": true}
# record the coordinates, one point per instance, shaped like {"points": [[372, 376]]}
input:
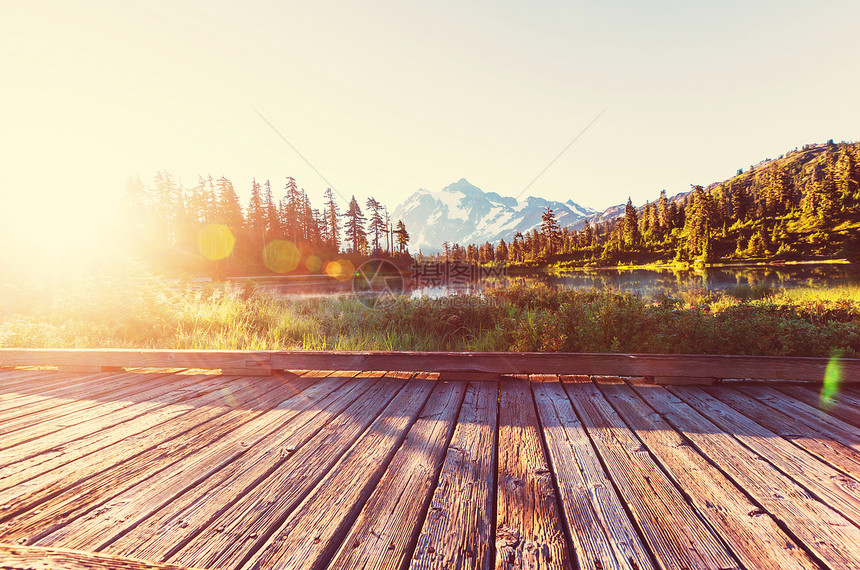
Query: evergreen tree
{"points": [[331, 215], [355, 227], [586, 236], [229, 210], [273, 225], [663, 217], [402, 236], [740, 203], [377, 224], [550, 232], [502, 251], [631, 236], [291, 210], [699, 223], [256, 214]]}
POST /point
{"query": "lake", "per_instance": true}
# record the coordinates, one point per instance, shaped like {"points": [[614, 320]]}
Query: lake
{"points": [[643, 282]]}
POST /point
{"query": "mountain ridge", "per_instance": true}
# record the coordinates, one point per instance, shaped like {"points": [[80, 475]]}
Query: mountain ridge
{"points": [[463, 213]]}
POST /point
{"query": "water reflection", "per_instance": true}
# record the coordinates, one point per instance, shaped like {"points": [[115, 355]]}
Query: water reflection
{"points": [[643, 282]]}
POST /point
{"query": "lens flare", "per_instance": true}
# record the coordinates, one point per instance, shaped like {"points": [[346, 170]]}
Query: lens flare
{"points": [[281, 256], [313, 263], [830, 386], [341, 269], [215, 241]]}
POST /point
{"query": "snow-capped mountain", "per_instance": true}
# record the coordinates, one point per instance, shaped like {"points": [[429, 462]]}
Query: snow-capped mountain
{"points": [[462, 213]]}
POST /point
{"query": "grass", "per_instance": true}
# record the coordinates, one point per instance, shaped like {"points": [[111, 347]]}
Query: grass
{"points": [[149, 313]]}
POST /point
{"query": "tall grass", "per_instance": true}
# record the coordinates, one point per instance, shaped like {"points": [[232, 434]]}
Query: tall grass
{"points": [[149, 313]]}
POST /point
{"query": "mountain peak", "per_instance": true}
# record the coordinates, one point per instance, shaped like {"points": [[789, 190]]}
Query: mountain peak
{"points": [[463, 213]]}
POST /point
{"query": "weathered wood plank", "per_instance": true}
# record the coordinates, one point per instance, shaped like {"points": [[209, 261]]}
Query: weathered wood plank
{"points": [[33, 458], [39, 437], [672, 530], [312, 533], [757, 541], [821, 530], [684, 380], [51, 467], [458, 529], [243, 528], [831, 440], [680, 365], [15, 380], [64, 387], [529, 531], [602, 534], [836, 489], [88, 415], [28, 517], [845, 406], [385, 532], [230, 359], [34, 558], [294, 422], [469, 376]]}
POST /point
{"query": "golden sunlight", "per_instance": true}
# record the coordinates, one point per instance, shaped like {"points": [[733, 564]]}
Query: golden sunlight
{"points": [[44, 237]]}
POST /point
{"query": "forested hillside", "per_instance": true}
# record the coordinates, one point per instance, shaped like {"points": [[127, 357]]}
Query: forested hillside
{"points": [[804, 205]]}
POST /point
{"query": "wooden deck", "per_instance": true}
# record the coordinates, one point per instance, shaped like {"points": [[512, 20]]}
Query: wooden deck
{"points": [[337, 469]]}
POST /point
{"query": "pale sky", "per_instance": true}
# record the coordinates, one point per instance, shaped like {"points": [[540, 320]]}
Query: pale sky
{"points": [[385, 97]]}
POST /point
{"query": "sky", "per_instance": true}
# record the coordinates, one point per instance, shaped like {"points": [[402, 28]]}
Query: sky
{"points": [[381, 97]]}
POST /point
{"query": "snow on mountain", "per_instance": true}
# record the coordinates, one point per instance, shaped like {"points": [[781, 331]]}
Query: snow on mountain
{"points": [[462, 213]]}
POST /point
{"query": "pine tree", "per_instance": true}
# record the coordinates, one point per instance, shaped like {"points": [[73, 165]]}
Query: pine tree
{"points": [[256, 215], [402, 236], [740, 203], [229, 210], [663, 213], [631, 236], [291, 209], [550, 232], [331, 214], [700, 220], [502, 251], [273, 225], [377, 224], [355, 227]]}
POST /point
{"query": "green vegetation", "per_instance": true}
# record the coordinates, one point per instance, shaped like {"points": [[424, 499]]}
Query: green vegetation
{"points": [[154, 314], [804, 205]]}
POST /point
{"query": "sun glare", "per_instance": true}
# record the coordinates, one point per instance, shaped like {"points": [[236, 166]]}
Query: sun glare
{"points": [[57, 238]]}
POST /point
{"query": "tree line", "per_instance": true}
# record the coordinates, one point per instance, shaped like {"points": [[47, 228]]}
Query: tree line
{"points": [[805, 204], [167, 224]]}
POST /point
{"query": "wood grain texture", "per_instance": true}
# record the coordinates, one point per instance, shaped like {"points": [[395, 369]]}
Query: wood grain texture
{"points": [[836, 489], [457, 532], [30, 460], [831, 440], [52, 432], [227, 536], [821, 530], [27, 520], [311, 535], [295, 421], [670, 526], [13, 557], [845, 406], [384, 533], [757, 541], [666, 365], [529, 531], [602, 534]]}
